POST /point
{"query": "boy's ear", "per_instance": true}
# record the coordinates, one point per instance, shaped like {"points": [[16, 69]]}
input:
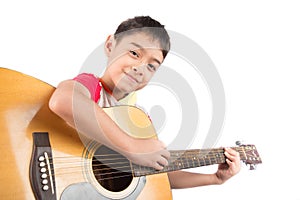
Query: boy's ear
{"points": [[108, 45]]}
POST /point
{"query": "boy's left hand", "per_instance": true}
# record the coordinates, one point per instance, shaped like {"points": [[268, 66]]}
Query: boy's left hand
{"points": [[231, 167]]}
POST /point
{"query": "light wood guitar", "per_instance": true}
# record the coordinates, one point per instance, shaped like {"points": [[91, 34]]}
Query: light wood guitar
{"points": [[44, 158]]}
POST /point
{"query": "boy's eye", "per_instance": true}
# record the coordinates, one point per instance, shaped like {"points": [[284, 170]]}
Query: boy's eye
{"points": [[151, 67], [135, 54]]}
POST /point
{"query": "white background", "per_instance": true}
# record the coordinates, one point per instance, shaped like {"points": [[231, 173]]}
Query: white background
{"points": [[255, 46]]}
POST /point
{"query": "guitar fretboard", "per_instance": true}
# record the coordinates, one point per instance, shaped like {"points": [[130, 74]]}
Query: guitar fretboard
{"points": [[185, 159]]}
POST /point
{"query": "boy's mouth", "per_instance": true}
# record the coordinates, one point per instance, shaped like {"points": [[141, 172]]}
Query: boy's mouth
{"points": [[131, 78]]}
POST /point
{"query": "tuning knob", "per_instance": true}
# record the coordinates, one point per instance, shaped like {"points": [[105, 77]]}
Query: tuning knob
{"points": [[239, 143], [252, 166]]}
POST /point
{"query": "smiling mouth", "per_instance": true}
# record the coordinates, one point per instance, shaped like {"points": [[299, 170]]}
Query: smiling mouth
{"points": [[131, 78]]}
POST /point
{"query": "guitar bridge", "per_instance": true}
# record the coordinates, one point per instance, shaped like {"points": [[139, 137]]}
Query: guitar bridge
{"points": [[41, 170]]}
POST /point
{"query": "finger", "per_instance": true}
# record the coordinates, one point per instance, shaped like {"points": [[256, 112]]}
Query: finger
{"points": [[232, 154], [163, 162], [229, 162], [166, 154], [234, 167], [231, 151], [230, 157], [157, 166]]}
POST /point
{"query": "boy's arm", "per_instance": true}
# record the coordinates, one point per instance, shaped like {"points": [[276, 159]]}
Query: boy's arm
{"points": [[71, 101], [183, 179]]}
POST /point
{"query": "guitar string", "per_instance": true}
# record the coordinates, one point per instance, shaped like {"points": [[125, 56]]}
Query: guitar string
{"points": [[172, 152], [189, 161], [181, 161], [143, 170], [185, 162], [118, 172], [96, 176], [126, 169], [177, 153], [115, 160], [109, 178], [188, 153], [126, 165], [120, 157], [129, 173]]}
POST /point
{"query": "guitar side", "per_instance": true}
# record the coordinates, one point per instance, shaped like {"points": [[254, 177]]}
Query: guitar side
{"points": [[24, 110]]}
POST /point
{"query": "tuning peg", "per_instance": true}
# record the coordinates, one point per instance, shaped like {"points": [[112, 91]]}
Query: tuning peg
{"points": [[239, 143], [252, 167]]}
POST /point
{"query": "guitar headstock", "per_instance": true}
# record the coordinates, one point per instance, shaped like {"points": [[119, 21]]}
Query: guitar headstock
{"points": [[249, 155]]}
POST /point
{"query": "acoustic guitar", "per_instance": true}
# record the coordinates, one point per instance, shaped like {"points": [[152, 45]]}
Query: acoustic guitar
{"points": [[44, 158]]}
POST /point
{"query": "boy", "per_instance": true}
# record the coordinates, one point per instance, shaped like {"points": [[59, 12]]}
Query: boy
{"points": [[135, 52]]}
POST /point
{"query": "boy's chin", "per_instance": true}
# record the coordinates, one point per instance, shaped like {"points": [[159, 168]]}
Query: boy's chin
{"points": [[126, 90]]}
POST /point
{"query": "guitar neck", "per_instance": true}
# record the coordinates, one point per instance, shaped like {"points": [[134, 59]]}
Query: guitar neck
{"points": [[185, 159]]}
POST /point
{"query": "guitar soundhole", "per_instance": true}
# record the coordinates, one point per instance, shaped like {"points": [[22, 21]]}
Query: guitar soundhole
{"points": [[111, 170]]}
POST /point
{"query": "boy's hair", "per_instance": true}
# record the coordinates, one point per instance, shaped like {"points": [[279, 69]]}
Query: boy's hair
{"points": [[145, 24]]}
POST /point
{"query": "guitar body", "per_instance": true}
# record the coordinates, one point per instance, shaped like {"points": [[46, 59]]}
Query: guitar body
{"points": [[24, 110]]}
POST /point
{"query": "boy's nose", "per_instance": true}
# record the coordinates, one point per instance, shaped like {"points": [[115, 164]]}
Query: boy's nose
{"points": [[138, 70]]}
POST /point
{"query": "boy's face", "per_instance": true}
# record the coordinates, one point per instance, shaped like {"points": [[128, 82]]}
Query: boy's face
{"points": [[132, 62]]}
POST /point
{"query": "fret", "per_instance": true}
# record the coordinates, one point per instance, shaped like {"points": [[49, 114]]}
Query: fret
{"points": [[207, 159], [181, 163], [204, 154], [212, 158], [192, 158], [201, 161], [220, 158], [185, 161], [169, 168], [242, 153], [195, 161]]}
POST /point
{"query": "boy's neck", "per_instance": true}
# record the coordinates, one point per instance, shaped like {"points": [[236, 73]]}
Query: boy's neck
{"points": [[117, 94]]}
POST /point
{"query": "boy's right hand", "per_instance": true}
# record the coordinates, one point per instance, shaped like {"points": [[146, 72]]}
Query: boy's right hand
{"points": [[148, 152]]}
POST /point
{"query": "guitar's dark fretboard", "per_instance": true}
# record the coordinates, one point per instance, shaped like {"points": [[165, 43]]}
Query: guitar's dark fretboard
{"points": [[189, 159]]}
